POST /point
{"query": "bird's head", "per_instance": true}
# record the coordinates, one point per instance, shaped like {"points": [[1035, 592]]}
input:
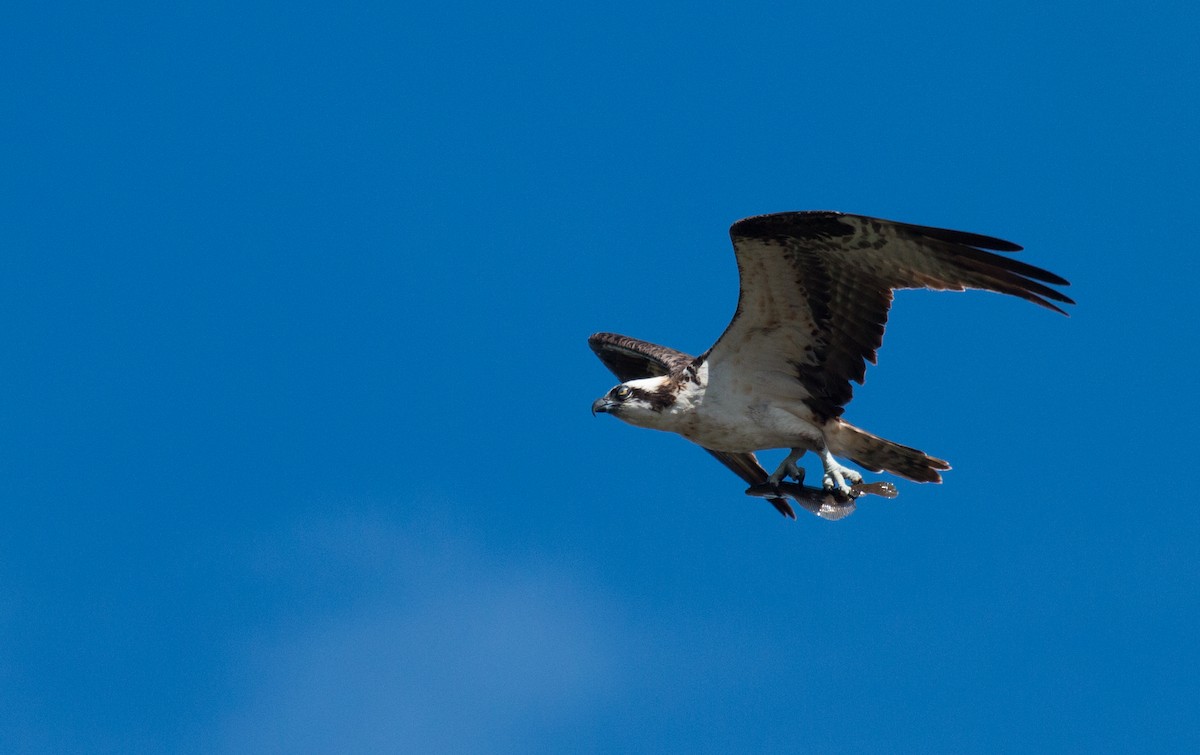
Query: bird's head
{"points": [[641, 402]]}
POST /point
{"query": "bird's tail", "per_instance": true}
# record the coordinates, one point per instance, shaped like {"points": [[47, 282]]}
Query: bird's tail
{"points": [[876, 454]]}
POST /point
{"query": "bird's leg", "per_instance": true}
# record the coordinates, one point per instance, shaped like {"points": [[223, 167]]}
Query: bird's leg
{"points": [[835, 474], [789, 467]]}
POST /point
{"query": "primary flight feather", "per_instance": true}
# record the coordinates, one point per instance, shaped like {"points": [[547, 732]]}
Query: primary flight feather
{"points": [[814, 298]]}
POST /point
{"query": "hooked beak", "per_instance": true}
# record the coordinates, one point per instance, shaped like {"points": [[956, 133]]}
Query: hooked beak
{"points": [[602, 405]]}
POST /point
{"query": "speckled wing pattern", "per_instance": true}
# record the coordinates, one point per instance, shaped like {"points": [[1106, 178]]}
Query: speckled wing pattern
{"points": [[816, 288], [631, 359]]}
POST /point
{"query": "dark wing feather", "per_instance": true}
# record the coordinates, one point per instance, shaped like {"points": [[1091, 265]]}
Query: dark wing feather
{"points": [[631, 359], [816, 288], [747, 467]]}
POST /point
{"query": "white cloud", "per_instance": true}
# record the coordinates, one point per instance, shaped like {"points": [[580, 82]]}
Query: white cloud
{"points": [[449, 651]]}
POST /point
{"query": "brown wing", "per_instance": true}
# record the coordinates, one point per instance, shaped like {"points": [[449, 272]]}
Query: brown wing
{"points": [[630, 359], [816, 288], [747, 467]]}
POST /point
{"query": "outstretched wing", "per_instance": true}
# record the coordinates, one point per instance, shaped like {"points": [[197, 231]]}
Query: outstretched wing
{"points": [[630, 359], [816, 288]]}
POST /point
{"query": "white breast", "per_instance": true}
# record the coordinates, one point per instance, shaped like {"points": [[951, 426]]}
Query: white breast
{"points": [[739, 415]]}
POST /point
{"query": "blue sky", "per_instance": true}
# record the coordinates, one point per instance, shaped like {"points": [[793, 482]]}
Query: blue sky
{"points": [[295, 450]]}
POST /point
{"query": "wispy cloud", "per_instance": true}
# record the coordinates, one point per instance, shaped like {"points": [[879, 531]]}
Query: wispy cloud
{"points": [[450, 650]]}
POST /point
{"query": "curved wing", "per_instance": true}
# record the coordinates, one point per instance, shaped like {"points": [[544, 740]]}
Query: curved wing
{"points": [[816, 288], [630, 359], [747, 467]]}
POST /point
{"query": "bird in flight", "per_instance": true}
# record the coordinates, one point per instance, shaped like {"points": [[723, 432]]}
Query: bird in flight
{"points": [[815, 292]]}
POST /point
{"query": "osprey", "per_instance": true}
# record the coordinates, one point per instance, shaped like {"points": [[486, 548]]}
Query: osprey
{"points": [[815, 292]]}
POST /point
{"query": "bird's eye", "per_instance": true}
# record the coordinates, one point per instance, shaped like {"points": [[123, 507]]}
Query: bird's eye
{"points": [[623, 392]]}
